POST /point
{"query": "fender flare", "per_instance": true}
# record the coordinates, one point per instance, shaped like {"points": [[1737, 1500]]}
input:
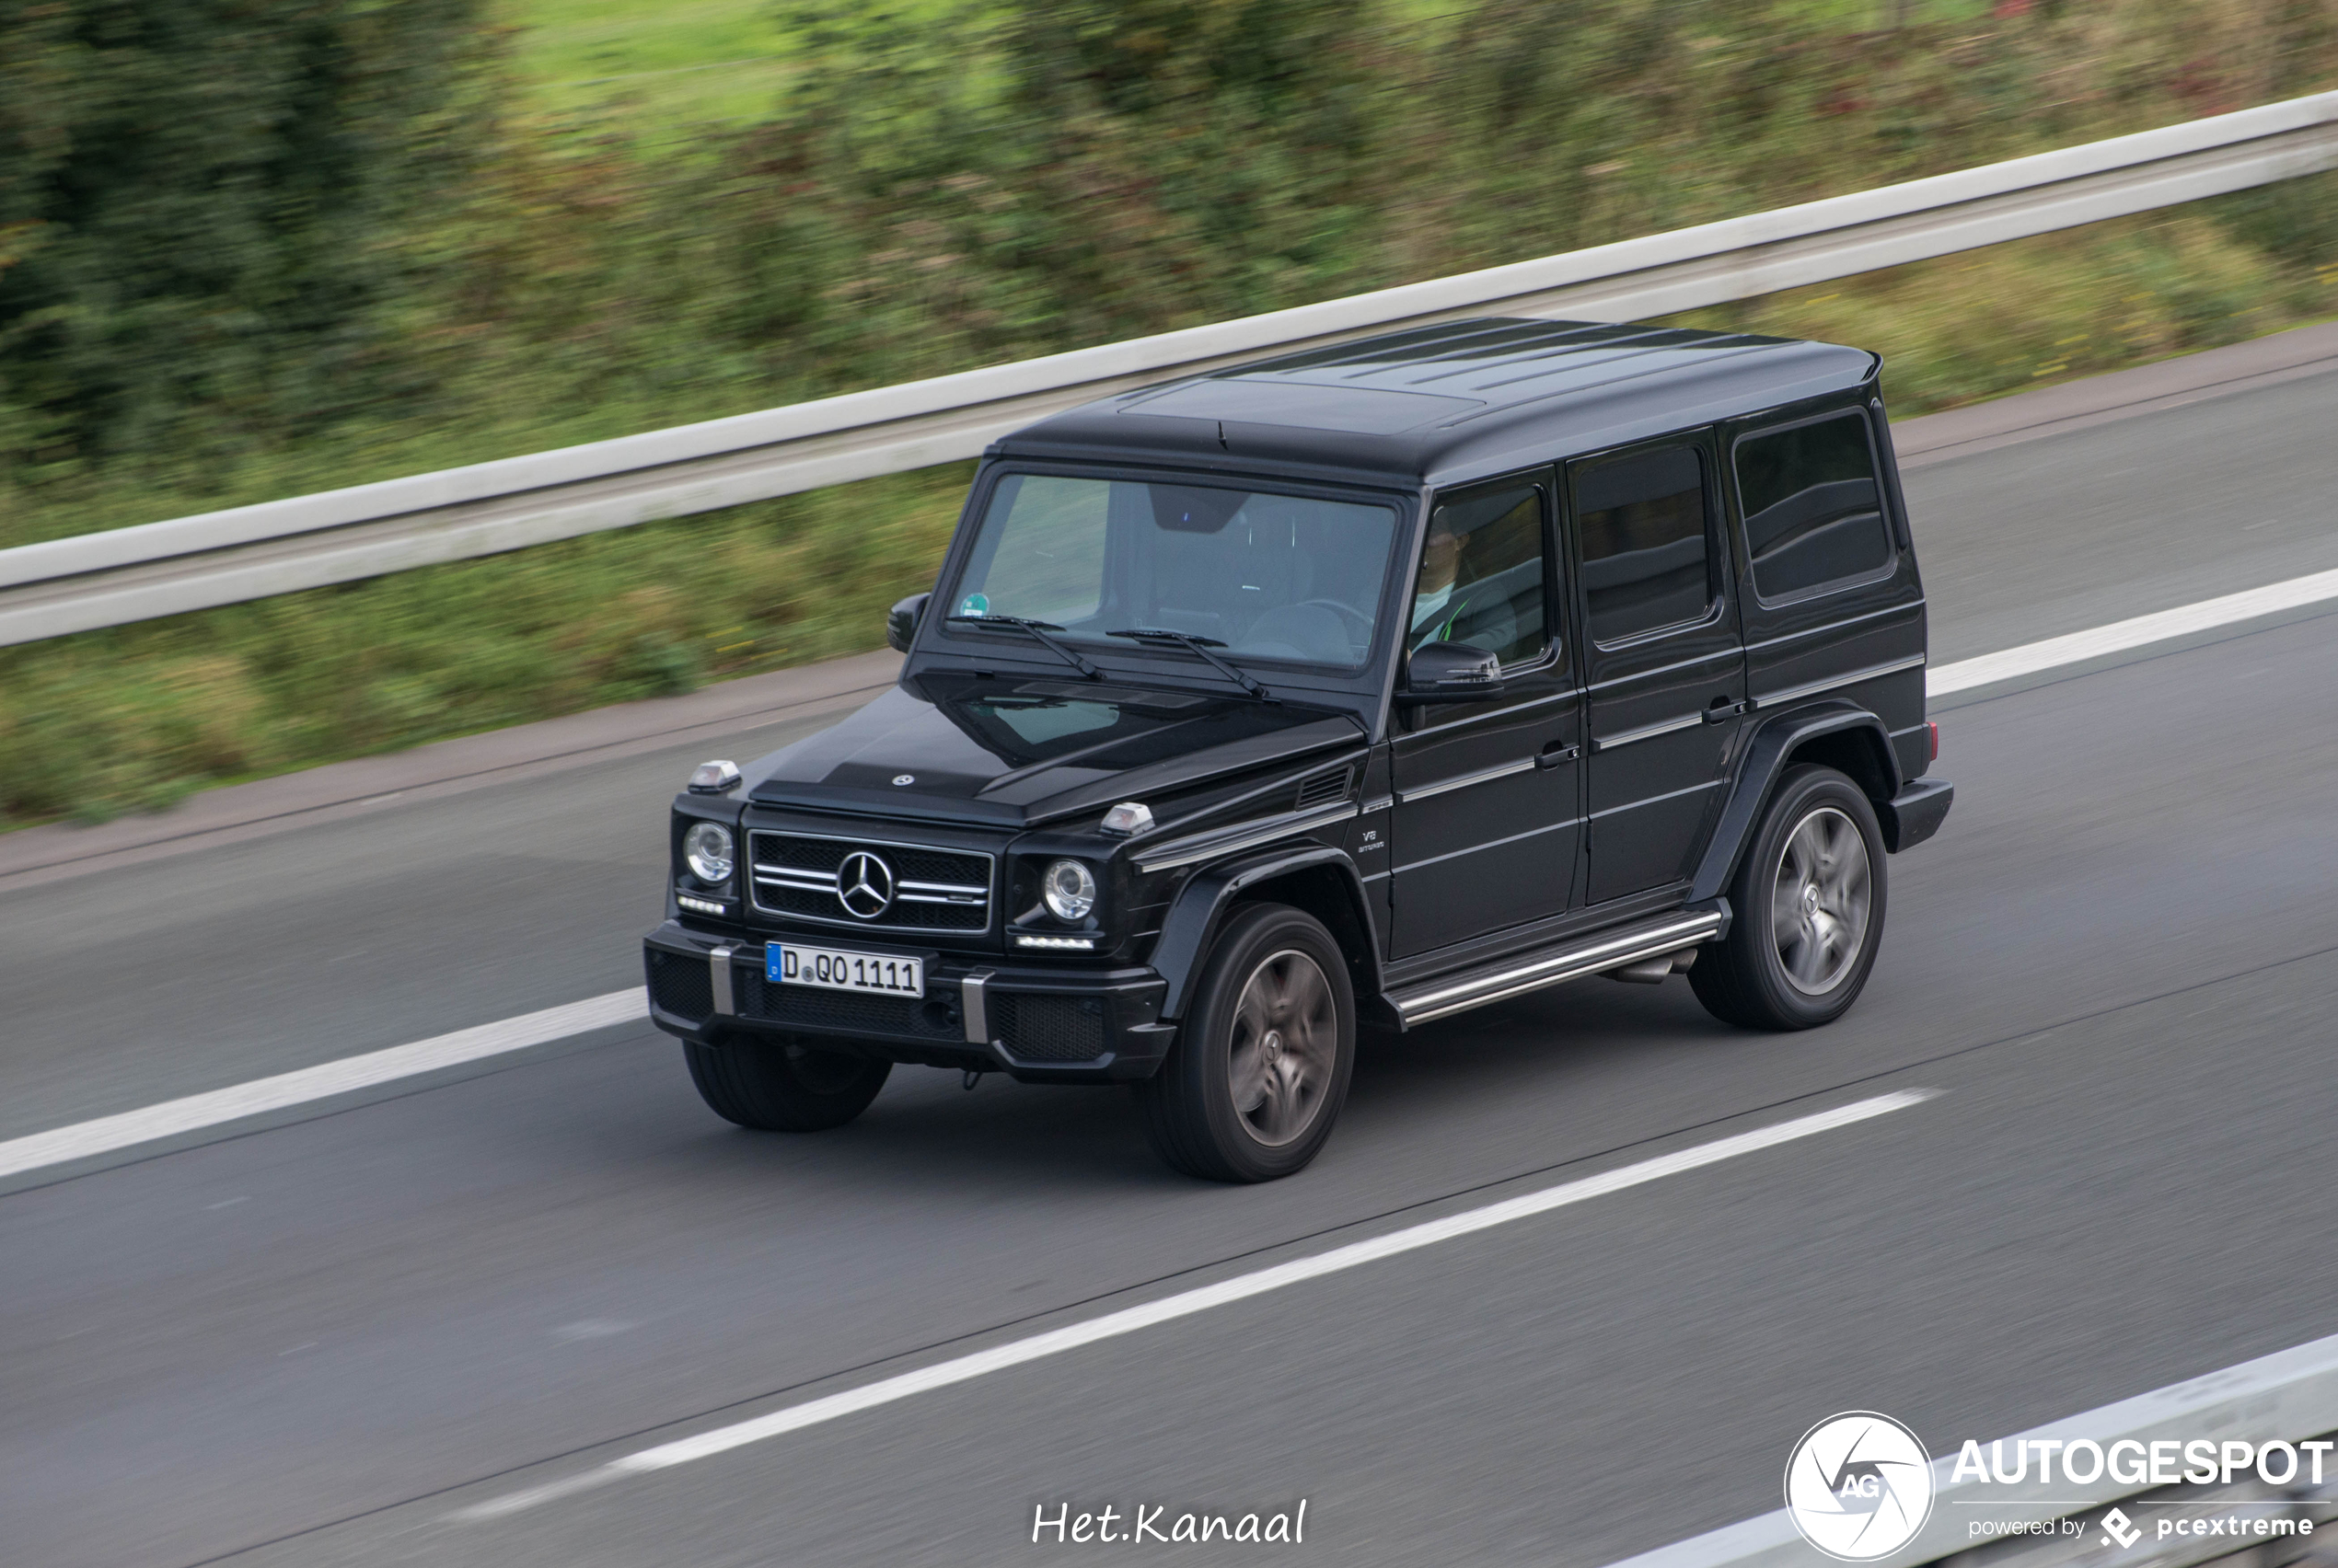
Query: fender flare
{"points": [[1758, 767], [1199, 910]]}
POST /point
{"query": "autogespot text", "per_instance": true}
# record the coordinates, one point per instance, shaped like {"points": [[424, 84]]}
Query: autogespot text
{"points": [[2132, 1463]]}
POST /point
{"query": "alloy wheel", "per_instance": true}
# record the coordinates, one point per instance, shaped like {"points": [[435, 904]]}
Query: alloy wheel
{"points": [[1819, 901], [1279, 1062]]}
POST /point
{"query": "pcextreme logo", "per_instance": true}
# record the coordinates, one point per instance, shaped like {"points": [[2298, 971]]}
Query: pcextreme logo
{"points": [[1858, 1486]]}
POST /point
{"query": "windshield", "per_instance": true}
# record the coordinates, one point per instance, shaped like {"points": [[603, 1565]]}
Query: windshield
{"points": [[1268, 576]]}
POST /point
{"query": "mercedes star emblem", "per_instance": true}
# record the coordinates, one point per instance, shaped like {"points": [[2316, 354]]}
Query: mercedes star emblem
{"points": [[864, 885], [901, 779]]}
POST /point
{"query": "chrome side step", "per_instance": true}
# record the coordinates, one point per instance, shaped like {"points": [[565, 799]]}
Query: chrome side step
{"points": [[1516, 976]]}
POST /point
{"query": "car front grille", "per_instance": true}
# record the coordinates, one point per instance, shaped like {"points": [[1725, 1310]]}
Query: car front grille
{"points": [[1034, 1027], [869, 883]]}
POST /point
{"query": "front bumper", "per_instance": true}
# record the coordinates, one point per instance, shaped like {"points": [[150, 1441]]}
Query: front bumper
{"points": [[1039, 1023]]}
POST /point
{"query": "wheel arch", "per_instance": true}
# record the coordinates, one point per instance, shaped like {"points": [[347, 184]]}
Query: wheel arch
{"points": [[1314, 878], [1861, 752], [1839, 735]]}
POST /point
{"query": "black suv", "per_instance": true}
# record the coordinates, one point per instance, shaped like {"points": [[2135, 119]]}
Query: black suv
{"points": [[1349, 690]]}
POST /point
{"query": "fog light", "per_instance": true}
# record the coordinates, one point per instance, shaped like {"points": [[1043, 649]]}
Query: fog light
{"points": [[1060, 944], [707, 849], [1070, 889], [703, 905]]}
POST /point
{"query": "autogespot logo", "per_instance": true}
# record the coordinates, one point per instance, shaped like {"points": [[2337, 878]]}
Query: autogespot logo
{"points": [[1859, 1486]]}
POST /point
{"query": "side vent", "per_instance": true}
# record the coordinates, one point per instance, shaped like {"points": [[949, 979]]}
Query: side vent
{"points": [[1323, 788]]}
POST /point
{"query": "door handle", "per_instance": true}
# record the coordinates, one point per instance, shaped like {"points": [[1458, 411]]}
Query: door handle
{"points": [[1553, 757], [1722, 707]]}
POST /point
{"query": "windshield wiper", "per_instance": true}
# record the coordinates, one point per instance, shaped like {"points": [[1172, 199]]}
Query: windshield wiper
{"points": [[1037, 630], [1199, 647]]}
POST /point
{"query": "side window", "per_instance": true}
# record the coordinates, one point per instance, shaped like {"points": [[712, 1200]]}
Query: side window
{"points": [[1648, 551], [1813, 512], [1481, 573]]}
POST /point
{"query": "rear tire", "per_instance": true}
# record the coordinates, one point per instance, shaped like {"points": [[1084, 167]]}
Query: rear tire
{"points": [[1809, 909], [1260, 1067], [781, 1086]]}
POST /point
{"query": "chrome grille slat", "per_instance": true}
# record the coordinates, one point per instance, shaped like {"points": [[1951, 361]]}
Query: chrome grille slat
{"points": [[797, 876]]}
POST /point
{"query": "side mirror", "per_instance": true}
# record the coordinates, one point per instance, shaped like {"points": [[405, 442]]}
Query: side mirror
{"points": [[1451, 672], [902, 621]]}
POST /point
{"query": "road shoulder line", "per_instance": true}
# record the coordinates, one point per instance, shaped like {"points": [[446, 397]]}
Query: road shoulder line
{"points": [[2132, 393], [80, 1146], [2140, 637]]}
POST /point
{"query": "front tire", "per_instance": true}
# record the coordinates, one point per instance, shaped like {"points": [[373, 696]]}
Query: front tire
{"points": [[1260, 1068], [1808, 900], [781, 1086]]}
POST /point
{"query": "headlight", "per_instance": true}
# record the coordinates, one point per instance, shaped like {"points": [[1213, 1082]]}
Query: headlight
{"points": [[707, 847], [1069, 889]]}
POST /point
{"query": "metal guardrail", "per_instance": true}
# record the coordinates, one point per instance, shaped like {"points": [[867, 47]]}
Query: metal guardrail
{"points": [[2287, 1396], [249, 552]]}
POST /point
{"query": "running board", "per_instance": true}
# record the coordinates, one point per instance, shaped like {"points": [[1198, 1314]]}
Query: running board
{"points": [[1516, 976]]}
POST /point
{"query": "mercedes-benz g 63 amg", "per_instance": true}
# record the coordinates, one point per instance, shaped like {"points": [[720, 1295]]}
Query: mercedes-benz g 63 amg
{"points": [[1349, 690]]}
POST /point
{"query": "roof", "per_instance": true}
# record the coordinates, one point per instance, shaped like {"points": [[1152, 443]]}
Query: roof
{"points": [[1444, 402]]}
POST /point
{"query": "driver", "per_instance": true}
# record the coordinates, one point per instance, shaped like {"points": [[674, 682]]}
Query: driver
{"points": [[1434, 607]]}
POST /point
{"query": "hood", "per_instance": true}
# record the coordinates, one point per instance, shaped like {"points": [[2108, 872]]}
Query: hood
{"points": [[964, 747]]}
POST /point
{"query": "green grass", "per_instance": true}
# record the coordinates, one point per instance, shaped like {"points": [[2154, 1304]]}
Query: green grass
{"points": [[673, 65], [659, 70]]}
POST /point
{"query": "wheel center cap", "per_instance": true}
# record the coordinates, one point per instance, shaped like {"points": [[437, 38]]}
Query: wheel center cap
{"points": [[1272, 1045], [1810, 897]]}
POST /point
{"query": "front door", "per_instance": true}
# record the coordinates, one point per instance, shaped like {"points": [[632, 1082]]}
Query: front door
{"points": [[1667, 666], [1486, 815]]}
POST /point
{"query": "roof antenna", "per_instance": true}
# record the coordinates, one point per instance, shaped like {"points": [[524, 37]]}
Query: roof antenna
{"points": [[1221, 436]]}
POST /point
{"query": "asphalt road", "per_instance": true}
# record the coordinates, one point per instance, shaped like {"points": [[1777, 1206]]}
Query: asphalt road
{"points": [[310, 1344]]}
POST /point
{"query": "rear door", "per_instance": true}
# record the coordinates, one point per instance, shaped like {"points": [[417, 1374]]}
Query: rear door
{"points": [[1487, 818], [1666, 664]]}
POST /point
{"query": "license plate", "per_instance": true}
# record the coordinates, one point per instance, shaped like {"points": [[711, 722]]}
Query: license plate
{"points": [[787, 965]]}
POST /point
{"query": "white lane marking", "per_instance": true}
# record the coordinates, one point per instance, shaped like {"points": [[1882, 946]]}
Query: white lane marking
{"points": [[2120, 637], [1185, 1304], [196, 1111], [592, 1329]]}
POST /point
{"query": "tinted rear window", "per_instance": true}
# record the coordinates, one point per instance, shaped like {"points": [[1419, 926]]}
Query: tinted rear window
{"points": [[1813, 511]]}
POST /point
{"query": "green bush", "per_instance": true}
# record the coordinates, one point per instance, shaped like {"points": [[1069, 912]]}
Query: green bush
{"points": [[201, 206], [392, 271]]}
